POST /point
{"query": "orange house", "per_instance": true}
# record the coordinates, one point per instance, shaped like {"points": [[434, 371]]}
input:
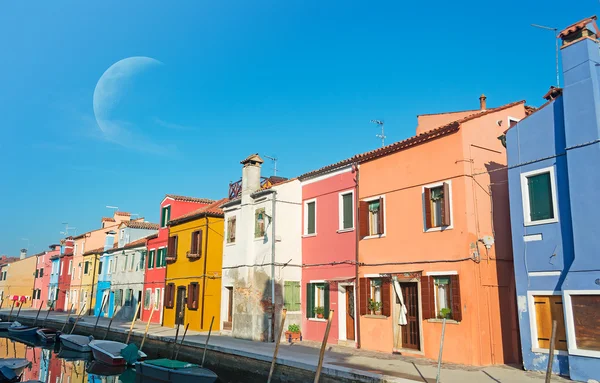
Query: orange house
{"points": [[435, 243]]}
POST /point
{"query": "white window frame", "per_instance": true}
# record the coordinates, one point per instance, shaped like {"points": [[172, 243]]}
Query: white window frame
{"points": [[61, 266], [432, 186], [525, 196], [533, 322], [570, 323], [371, 199], [305, 228], [341, 211], [509, 119], [148, 291], [82, 247], [70, 267]]}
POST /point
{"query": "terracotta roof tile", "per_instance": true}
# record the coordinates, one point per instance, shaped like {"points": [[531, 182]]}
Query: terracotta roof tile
{"points": [[108, 219], [152, 236], [189, 199], [576, 26], [99, 250], [409, 142], [141, 225], [122, 213], [214, 209]]}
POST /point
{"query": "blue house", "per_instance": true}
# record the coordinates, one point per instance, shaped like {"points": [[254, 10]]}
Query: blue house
{"points": [[53, 284], [554, 180], [104, 297]]}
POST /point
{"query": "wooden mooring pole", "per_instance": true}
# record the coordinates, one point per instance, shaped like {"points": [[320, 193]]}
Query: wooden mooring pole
{"points": [[277, 341], [207, 339], [439, 367], [147, 327], [47, 314], [67, 321], [323, 345], [38, 314], [182, 339], [551, 353], [11, 310], [77, 319], [133, 322], [99, 313], [110, 323]]}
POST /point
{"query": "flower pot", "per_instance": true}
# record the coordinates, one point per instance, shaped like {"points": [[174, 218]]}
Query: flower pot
{"points": [[320, 316], [378, 312], [293, 336], [371, 312]]}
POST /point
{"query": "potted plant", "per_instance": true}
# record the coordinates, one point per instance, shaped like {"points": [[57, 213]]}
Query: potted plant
{"points": [[320, 311], [293, 333], [375, 307], [445, 313]]}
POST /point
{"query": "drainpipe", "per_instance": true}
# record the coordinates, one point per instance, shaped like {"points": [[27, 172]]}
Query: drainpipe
{"points": [[204, 275], [93, 309], [357, 238], [273, 242]]}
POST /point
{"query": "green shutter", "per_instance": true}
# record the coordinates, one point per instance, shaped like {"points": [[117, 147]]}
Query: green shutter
{"points": [[310, 300], [256, 230], [296, 296], [310, 227], [168, 215], [147, 299], [326, 300], [347, 211], [142, 260], [540, 197], [151, 259], [287, 299]]}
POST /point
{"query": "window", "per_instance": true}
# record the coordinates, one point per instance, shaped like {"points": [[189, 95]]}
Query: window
{"points": [[229, 323], [165, 216], [584, 323], [375, 296], [132, 264], [539, 196], [437, 206], [80, 270], [41, 272], [158, 297], [75, 249], [170, 296], [147, 299], [118, 297], [151, 259], [99, 267], [171, 248], [259, 223], [161, 257], [86, 267], [310, 217], [440, 296], [346, 211], [196, 244], [121, 234], [74, 297], [317, 300], [231, 230], [547, 308], [372, 217], [37, 273], [61, 266], [124, 268], [193, 296], [142, 260], [128, 297], [292, 295]]}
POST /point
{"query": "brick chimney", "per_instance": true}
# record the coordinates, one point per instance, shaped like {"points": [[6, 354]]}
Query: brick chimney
{"points": [[482, 99], [23, 254]]}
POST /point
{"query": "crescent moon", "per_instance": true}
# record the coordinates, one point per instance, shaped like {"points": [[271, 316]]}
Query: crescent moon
{"points": [[109, 86]]}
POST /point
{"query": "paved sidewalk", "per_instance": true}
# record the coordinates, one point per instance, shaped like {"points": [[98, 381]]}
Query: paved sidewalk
{"points": [[338, 360]]}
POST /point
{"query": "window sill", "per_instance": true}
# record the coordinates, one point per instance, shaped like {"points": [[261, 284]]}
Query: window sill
{"points": [[374, 236], [317, 320], [450, 321], [261, 238], [340, 231], [546, 351], [230, 244], [435, 229], [541, 222], [375, 316], [309, 235]]}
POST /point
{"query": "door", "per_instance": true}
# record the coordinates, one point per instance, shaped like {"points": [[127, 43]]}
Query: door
{"points": [[139, 313], [410, 332], [180, 308], [350, 313]]}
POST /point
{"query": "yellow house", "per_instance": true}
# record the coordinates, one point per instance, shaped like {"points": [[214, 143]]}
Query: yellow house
{"points": [[194, 261], [17, 279], [89, 278]]}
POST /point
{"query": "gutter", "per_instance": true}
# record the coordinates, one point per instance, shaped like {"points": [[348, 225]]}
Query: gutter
{"points": [[204, 275], [93, 284], [273, 242], [357, 239]]}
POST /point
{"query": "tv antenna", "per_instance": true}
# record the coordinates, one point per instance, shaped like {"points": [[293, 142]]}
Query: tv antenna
{"points": [[112, 207], [67, 228], [382, 135], [274, 159], [555, 30]]}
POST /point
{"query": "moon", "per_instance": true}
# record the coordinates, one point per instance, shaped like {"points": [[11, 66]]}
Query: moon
{"points": [[110, 85]]}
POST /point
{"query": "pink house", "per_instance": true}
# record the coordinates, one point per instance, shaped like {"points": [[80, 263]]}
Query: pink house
{"points": [[329, 253], [43, 270]]}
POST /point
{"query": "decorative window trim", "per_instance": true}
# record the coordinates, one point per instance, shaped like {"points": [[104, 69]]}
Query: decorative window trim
{"points": [[305, 220], [533, 322], [570, 323], [432, 186], [525, 196], [341, 195]]}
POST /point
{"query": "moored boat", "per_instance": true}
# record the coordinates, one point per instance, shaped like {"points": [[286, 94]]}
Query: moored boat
{"points": [[17, 365], [169, 370], [79, 343], [98, 368], [47, 334], [18, 329], [70, 355], [111, 353], [5, 325]]}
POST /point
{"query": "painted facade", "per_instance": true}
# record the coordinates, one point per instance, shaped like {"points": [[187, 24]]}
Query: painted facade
{"points": [[43, 269], [53, 284], [105, 300], [89, 278], [18, 281], [171, 207], [261, 254], [553, 217], [433, 228], [64, 298], [329, 253], [194, 261]]}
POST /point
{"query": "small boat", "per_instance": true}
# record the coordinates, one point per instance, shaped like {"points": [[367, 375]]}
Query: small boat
{"points": [[79, 343], [5, 325], [18, 329], [17, 365], [113, 353], [169, 370], [47, 334]]}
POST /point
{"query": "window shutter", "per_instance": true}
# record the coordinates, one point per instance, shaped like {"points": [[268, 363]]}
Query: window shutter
{"points": [[296, 296], [446, 205], [427, 201], [37, 272], [310, 300], [200, 234], [386, 299], [363, 216], [456, 305], [326, 300], [41, 273], [381, 217], [256, 226], [189, 296], [196, 295], [347, 217], [427, 297], [287, 291], [363, 302], [311, 219]]}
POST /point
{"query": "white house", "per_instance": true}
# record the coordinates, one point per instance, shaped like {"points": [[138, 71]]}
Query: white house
{"points": [[262, 254]]}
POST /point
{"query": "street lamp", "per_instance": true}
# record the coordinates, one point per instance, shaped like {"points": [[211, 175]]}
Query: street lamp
{"points": [[555, 30]]}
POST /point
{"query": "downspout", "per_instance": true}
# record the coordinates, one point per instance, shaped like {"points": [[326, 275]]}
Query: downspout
{"points": [[357, 238], [273, 241], [93, 284], [204, 275]]}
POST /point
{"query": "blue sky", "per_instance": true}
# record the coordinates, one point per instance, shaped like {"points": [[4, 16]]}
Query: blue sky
{"points": [[295, 79]]}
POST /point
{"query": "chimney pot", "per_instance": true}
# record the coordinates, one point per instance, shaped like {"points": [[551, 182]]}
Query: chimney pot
{"points": [[23, 254], [482, 99]]}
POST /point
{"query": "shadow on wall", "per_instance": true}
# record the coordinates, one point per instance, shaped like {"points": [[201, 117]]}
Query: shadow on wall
{"points": [[500, 211]]}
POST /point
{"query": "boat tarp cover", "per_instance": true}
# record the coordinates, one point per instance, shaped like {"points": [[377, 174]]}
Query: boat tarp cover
{"points": [[170, 363], [130, 353]]}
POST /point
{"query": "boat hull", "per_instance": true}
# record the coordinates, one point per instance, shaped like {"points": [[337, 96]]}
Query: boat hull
{"points": [[109, 352], [183, 375], [47, 334], [76, 342], [5, 325], [17, 365], [23, 331]]}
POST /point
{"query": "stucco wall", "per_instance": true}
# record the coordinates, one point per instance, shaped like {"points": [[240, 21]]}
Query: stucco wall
{"points": [[126, 277], [19, 280]]}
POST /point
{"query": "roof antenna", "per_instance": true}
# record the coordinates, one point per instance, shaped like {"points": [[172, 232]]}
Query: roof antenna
{"points": [[274, 159], [382, 135], [555, 30], [67, 228]]}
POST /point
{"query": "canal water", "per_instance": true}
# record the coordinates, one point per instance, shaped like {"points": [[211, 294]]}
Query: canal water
{"points": [[50, 364]]}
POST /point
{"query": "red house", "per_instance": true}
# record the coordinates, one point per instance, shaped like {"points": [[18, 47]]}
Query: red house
{"points": [[329, 253], [171, 207], [43, 269], [65, 274]]}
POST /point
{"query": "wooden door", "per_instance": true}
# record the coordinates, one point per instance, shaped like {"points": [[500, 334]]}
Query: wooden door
{"points": [[410, 332], [180, 307], [547, 309], [350, 313]]}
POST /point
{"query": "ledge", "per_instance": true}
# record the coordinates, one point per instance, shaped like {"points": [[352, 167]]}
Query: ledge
{"points": [[341, 231], [449, 321], [317, 320], [375, 316], [309, 235]]}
